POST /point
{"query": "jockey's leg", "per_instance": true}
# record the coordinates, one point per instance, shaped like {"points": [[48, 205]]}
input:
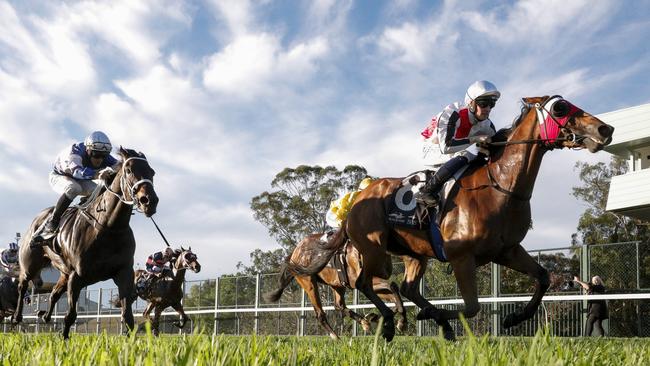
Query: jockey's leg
{"points": [[52, 224], [429, 193]]}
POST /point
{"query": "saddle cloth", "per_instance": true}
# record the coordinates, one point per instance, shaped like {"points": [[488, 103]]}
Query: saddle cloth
{"points": [[404, 210]]}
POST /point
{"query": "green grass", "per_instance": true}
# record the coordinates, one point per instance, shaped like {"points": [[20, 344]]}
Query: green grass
{"points": [[198, 349]]}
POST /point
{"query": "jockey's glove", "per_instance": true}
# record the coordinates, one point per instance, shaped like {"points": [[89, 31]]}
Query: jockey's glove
{"points": [[105, 173], [480, 139]]}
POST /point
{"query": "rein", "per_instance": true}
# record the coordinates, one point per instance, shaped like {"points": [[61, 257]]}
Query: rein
{"points": [[547, 143], [132, 188]]}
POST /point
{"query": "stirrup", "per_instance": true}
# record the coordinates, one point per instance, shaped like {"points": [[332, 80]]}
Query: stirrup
{"points": [[427, 199]]}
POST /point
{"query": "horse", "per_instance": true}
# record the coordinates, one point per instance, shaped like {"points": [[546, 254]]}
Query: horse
{"points": [[484, 221], [94, 241], [168, 291], [8, 296], [329, 276]]}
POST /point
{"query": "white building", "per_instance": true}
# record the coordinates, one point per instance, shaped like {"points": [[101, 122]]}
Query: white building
{"points": [[629, 194]]}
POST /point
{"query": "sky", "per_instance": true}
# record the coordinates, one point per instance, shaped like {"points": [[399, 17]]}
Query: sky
{"points": [[222, 95]]}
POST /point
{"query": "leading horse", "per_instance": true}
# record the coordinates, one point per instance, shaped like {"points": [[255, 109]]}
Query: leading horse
{"points": [[94, 242], [485, 221]]}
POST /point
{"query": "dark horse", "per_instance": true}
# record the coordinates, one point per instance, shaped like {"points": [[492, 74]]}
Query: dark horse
{"points": [[485, 221], [168, 291], [329, 276], [93, 243], [8, 296]]}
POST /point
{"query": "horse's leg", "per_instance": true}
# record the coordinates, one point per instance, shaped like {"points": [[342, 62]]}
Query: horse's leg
{"points": [[391, 293], [147, 311], [339, 304], [518, 259], [58, 290], [465, 272], [74, 288], [184, 318], [156, 320], [126, 294], [414, 269], [373, 256], [309, 284], [22, 290]]}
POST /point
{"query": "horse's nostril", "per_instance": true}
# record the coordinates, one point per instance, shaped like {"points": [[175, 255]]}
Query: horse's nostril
{"points": [[606, 130], [144, 200]]}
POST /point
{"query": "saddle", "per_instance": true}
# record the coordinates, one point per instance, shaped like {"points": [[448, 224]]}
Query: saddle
{"points": [[402, 209], [146, 283]]}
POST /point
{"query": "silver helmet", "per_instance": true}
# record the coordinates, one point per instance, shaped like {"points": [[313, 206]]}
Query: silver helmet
{"points": [[98, 141], [481, 88]]}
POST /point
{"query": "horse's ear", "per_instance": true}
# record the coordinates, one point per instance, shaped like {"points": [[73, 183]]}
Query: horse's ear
{"points": [[123, 153], [142, 155], [189, 249], [182, 249]]}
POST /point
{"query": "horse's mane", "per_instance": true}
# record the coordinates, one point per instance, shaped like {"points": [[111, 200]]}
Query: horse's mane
{"points": [[503, 134]]}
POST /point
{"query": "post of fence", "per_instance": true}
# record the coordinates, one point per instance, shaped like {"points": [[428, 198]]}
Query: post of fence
{"points": [[301, 328], [420, 323], [584, 275], [638, 277], [180, 317], [99, 310], [215, 330], [355, 301], [256, 323], [38, 307], [496, 291]]}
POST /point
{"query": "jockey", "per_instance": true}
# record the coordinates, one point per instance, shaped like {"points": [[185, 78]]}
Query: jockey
{"points": [[459, 129], [73, 174], [157, 263], [340, 208], [9, 260]]}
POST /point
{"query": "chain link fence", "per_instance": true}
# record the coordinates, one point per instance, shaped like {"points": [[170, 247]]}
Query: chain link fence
{"points": [[235, 305]]}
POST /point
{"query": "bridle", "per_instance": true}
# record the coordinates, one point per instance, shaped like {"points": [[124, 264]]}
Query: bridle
{"points": [[551, 123], [131, 188]]}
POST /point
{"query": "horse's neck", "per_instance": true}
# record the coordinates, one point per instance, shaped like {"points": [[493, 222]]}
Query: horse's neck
{"points": [[516, 169], [114, 212], [179, 277]]}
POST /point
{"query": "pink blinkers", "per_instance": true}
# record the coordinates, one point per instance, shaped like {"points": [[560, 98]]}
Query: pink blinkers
{"points": [[553, 115]]}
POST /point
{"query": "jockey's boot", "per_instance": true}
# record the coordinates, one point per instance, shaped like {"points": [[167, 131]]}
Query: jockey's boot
{"points": [[429, 193], [49, 229]]}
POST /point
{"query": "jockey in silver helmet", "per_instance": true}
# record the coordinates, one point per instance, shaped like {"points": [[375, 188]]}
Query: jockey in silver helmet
{"points": [[74, 170]]}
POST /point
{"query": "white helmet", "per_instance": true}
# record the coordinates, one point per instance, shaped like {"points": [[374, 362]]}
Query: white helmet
{"points": [[13, 246], [481, 88], [98, 141]]}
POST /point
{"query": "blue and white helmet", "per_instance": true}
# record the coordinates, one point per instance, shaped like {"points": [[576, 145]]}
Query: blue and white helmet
{"points": [[98, 141], [13, 246]]}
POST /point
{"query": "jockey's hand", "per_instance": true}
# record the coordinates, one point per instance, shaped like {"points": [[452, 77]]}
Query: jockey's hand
{"points": [[105, 173], [480, 139]]}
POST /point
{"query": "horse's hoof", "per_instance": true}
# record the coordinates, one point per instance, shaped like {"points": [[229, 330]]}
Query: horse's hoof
{"points": [[449, 335], [372, 317], [429, 312], [334, 336], [401, 325], [510, 320], [365, 324], [388, 329]]}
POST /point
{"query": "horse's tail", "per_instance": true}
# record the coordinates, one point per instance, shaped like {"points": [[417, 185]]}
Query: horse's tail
{"points": [[285, 279], [325, 252]]}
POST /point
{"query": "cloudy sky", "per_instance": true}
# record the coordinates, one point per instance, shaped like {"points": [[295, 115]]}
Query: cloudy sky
{"points": [[222, 95]]}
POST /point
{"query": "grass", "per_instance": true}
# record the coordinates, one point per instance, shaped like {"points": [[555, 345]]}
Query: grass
{"points": [[199, 349]]}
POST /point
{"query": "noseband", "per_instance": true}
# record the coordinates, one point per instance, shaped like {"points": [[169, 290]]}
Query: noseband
{"points": [[131, 188]]}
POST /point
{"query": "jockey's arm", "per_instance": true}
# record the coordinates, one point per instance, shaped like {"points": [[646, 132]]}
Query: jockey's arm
{"points": [[447, 124]]}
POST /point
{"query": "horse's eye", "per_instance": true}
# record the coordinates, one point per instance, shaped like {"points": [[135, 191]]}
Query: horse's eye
{"points": [[560, 109], [128, 171]]}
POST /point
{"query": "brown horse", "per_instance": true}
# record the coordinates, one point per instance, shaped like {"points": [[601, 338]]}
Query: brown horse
{"points": [[485, 221], [94, 242], [168, 291], [329, 276]]}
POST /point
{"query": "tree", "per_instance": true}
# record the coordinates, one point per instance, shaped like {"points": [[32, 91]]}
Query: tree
{"points": [[597, 226], [297, 207]]}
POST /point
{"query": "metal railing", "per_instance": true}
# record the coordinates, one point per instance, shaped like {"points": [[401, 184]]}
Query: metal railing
{"points": [[234, 305]]}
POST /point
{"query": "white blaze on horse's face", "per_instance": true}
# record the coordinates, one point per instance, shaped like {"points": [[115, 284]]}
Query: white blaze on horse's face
{"points": [[561, 121], [138, 182]]}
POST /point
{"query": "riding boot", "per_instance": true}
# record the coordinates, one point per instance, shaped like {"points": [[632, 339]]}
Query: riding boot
{"points": [[429, 193], [49, 229]]}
